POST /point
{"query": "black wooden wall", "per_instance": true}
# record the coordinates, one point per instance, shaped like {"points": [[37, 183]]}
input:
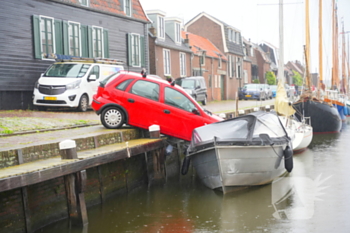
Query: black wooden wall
{"points": [[19, 70]]}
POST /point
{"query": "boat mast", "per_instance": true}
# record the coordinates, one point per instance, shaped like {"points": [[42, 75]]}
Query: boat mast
{"points": [[281, 50], [320, 45], [307, 46], [335, 77], [344, 81]]}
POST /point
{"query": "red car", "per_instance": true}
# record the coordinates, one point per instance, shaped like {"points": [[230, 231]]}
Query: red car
{"points": [[140, 100]]}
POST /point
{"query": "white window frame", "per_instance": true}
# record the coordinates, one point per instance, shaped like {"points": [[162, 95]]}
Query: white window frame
{"points": [[220, 62], [94, 28], [136, 49], [183, 64], [177, 33], [161, 27], [237, 37], [84, 2], [167, 62], [53, 36], [130, 8], [229, 35], [69, 36]]}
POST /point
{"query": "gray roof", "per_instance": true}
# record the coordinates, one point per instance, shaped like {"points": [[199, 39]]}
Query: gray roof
{"points": [[170, 44]]}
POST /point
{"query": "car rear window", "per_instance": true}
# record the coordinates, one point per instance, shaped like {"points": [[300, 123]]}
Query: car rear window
{"points": [[146, 89], [122, 86]]}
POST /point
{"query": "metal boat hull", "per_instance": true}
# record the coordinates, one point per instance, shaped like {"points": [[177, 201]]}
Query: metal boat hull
{"points": [[224, 167], [324, 118]]}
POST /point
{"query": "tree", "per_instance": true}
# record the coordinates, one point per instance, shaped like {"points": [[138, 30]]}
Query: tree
{"points": [[270, 77], [255, 81], [297, 79]]}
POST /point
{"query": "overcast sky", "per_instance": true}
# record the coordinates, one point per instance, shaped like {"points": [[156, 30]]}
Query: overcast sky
{"points": [[258, 20]]}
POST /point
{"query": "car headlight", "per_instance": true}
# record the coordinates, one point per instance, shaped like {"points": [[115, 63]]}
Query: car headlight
{"points": [[36, 85], [73, 85]]}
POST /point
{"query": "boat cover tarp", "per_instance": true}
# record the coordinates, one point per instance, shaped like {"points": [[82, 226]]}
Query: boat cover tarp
{"points": [[244, 129], [282, 104]]}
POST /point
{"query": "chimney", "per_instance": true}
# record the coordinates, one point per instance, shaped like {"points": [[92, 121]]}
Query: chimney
{"points": [[153, 30], [187, 41]]}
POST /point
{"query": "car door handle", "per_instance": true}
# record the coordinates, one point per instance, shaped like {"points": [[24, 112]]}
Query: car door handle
{"points": [[166, 111], [131, 100]]}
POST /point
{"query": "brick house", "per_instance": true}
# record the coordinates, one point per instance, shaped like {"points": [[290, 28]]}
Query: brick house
{"points": [[81, 28], [263, 62], [228, 40], [207, 61], [250, 64], [168, 54]]}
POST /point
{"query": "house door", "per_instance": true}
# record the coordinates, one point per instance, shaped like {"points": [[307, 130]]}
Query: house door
{"points": [[222, 85]]}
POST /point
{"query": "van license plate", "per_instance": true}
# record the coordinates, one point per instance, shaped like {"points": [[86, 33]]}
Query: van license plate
{"points": [[248, 95], [50, 98]]}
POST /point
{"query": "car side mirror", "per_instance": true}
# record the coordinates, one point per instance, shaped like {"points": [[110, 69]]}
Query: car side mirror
{"points": [[198, 87], [42, 74], [195, 111], [92, 77]]}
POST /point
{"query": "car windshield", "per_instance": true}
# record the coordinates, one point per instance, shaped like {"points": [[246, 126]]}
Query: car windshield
{"points": [[274, 87], [188, 84], [67, 70], [252, 87]]}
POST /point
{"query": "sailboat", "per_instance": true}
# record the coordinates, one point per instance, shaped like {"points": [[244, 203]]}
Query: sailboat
{"points": [[299, 131], [324, 116]]}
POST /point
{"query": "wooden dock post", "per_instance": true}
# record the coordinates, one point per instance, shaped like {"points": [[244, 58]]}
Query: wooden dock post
{"points": [[75, 186]]}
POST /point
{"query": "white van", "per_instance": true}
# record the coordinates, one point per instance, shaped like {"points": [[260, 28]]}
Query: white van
{"points": [[71, 84]]}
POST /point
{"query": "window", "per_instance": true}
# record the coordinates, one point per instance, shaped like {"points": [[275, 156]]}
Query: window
{"points": [[74, 39], [47, 36], [95, 71], [237, 38], [124, 84], [166, 59], [127, 7], [66, 38], [210, 80], [97, 41], [178, 100], [161, 27], [84, 2], [177, 33], [182, 64], [146, 89], [136, 50], [220, 62], [231, 66], [238, 63]]}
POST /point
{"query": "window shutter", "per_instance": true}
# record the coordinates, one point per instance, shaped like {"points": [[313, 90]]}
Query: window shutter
{"points": [[129, 37], [58, 36], [65, 38], [143, 52], [36, 36], [84, 41], [90, 42], [106, 43]]}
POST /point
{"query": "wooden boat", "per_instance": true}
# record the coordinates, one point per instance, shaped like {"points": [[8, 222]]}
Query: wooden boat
{"points": [[243, 151], [324, 116]]}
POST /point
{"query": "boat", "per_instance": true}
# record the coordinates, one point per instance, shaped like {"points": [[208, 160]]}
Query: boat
{"points": [[300, 132], [324, 116], [242, 151]]}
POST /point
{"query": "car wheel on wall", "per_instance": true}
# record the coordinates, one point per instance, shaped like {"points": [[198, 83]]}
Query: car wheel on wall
{"points": [[83, 103], [112, 118]]}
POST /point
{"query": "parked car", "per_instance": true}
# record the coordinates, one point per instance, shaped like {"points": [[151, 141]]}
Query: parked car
{"points": [[195, 86], [267, 90], [273, 90], [71, 84], [141, 101], [290, 90], [252, 91]]}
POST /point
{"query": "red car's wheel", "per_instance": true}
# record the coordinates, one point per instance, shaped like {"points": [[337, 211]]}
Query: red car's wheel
{"points": [[112, 118]]}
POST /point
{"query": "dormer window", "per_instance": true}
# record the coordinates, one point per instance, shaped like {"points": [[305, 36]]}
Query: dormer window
{"points": [[237, 37], [127, 7], [177, 33], [84, 2], [161, 27]]}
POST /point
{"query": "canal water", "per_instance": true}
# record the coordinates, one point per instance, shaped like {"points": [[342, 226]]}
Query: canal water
{"points": [[315, 197]]}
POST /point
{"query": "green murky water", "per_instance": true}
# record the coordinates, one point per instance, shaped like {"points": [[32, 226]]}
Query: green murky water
{"points": [[315, 197]]}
